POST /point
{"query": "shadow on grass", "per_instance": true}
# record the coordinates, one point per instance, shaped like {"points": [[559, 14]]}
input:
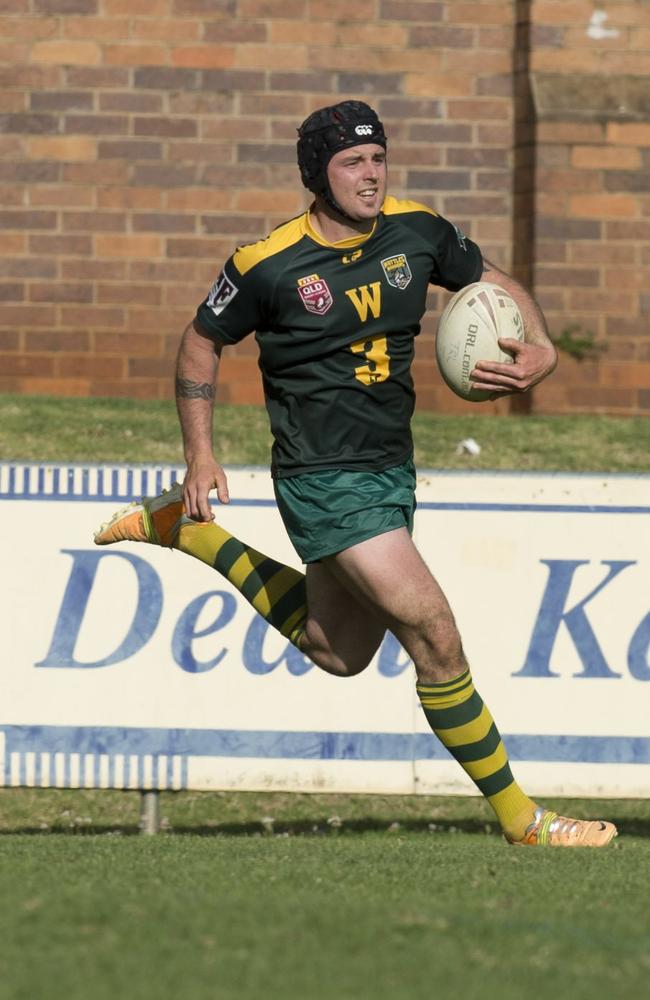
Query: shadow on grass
{"points": [[313, 827], [334, 826], [322, 826], [112, 829]]}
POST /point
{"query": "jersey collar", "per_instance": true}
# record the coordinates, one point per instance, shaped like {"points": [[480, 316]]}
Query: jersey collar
{"points": [[347, 244]]}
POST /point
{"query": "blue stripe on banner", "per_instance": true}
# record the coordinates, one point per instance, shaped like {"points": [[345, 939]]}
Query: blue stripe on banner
{"points": [[536, 508], [301, 746], [107, 490]]}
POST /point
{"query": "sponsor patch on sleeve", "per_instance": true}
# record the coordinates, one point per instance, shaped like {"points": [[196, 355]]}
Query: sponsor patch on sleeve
{"points": [[222, 292], [460, 236]]}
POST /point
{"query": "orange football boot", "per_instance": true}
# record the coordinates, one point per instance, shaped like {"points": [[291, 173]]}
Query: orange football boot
{"points": [[550, 830], [153, 519]]}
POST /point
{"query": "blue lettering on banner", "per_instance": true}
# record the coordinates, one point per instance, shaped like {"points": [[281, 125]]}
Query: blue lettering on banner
{"points": [[185, 631], [392, 660], [75, 601], [637, 656], [253, 652], [552, 614]]}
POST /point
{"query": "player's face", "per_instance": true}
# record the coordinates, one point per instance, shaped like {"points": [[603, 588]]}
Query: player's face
{"points": [[357, 178]]}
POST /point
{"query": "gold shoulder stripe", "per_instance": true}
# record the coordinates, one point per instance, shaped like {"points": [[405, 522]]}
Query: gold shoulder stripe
{"points": [[280, 239], [394, 206]]}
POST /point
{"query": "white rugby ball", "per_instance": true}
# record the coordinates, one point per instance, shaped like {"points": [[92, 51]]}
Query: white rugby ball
{"points": [[468, 331]]}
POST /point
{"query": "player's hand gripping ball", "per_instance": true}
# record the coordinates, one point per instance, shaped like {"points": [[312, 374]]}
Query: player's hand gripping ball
{"points": [[469, 330]]}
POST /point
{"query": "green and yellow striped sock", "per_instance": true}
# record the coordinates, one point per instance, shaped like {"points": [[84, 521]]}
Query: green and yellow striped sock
{"points": [[277, 592], [457, 715]]}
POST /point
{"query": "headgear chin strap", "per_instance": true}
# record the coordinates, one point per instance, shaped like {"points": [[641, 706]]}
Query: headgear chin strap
{"points": [[329, 130]]}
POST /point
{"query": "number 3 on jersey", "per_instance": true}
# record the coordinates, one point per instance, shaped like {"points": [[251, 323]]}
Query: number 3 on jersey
{"points": [[375, 351]]}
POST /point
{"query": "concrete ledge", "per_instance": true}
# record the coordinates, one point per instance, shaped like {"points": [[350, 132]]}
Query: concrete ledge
{"points": [[585, 97]]}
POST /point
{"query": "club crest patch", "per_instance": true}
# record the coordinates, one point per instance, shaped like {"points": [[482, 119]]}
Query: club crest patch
{"points": [[397, 271], [315, 294]]}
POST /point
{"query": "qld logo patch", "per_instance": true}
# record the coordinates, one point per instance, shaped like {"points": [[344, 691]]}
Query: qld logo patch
{"points": [[397, 271], [316, 296]]}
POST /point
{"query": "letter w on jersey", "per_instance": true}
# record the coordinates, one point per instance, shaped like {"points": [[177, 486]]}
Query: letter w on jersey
{"points": [[365, 298]]}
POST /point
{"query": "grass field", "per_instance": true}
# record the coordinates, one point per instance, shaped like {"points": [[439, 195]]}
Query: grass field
{"points": [[105, 430], [249, 896], [268, 896]]}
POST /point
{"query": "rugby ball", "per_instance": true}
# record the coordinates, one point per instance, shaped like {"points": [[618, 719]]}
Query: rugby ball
{"points": [[468, 331]]}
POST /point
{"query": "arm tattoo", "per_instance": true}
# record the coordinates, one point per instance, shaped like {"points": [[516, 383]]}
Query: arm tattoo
{"points": [[187, 389]]}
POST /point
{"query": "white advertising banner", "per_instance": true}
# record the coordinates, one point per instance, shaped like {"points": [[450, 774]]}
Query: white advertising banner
{"points": [[138, 667]]}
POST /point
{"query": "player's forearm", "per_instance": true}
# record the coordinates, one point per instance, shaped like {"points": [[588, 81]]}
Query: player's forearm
{"points": [[197, 369], [535, 329]]}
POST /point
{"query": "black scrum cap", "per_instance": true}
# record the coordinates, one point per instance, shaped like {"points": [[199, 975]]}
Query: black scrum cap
{"points": [[328, 130]]}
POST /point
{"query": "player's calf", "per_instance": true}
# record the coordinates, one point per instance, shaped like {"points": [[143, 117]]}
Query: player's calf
{"points": [[277, 592]]}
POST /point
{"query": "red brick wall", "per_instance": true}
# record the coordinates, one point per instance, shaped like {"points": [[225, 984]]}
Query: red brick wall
{"points": [[140, 140], [592, 248]]}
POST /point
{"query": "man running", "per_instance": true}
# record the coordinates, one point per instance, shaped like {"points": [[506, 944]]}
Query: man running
{"points": [[335, 298]]}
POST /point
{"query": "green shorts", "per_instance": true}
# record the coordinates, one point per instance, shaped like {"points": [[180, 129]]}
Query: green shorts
{"points": [[328, 511]]}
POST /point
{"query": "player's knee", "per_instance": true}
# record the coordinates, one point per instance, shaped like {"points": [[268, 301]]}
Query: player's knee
{"points": [[435, 670], [441, 647], [446, 641]]}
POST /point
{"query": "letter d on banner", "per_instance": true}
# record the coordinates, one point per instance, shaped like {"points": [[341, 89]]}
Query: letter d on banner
{"points": [[75, 601]]}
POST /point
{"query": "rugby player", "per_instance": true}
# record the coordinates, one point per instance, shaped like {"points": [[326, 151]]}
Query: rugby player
{"points": [[335, 298]]}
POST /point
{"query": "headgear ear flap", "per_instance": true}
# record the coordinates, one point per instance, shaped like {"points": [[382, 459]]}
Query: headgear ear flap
{"points": [[329, 130]]}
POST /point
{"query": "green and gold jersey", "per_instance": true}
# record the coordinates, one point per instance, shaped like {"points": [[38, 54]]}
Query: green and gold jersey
{"points": [[335, 325]]}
